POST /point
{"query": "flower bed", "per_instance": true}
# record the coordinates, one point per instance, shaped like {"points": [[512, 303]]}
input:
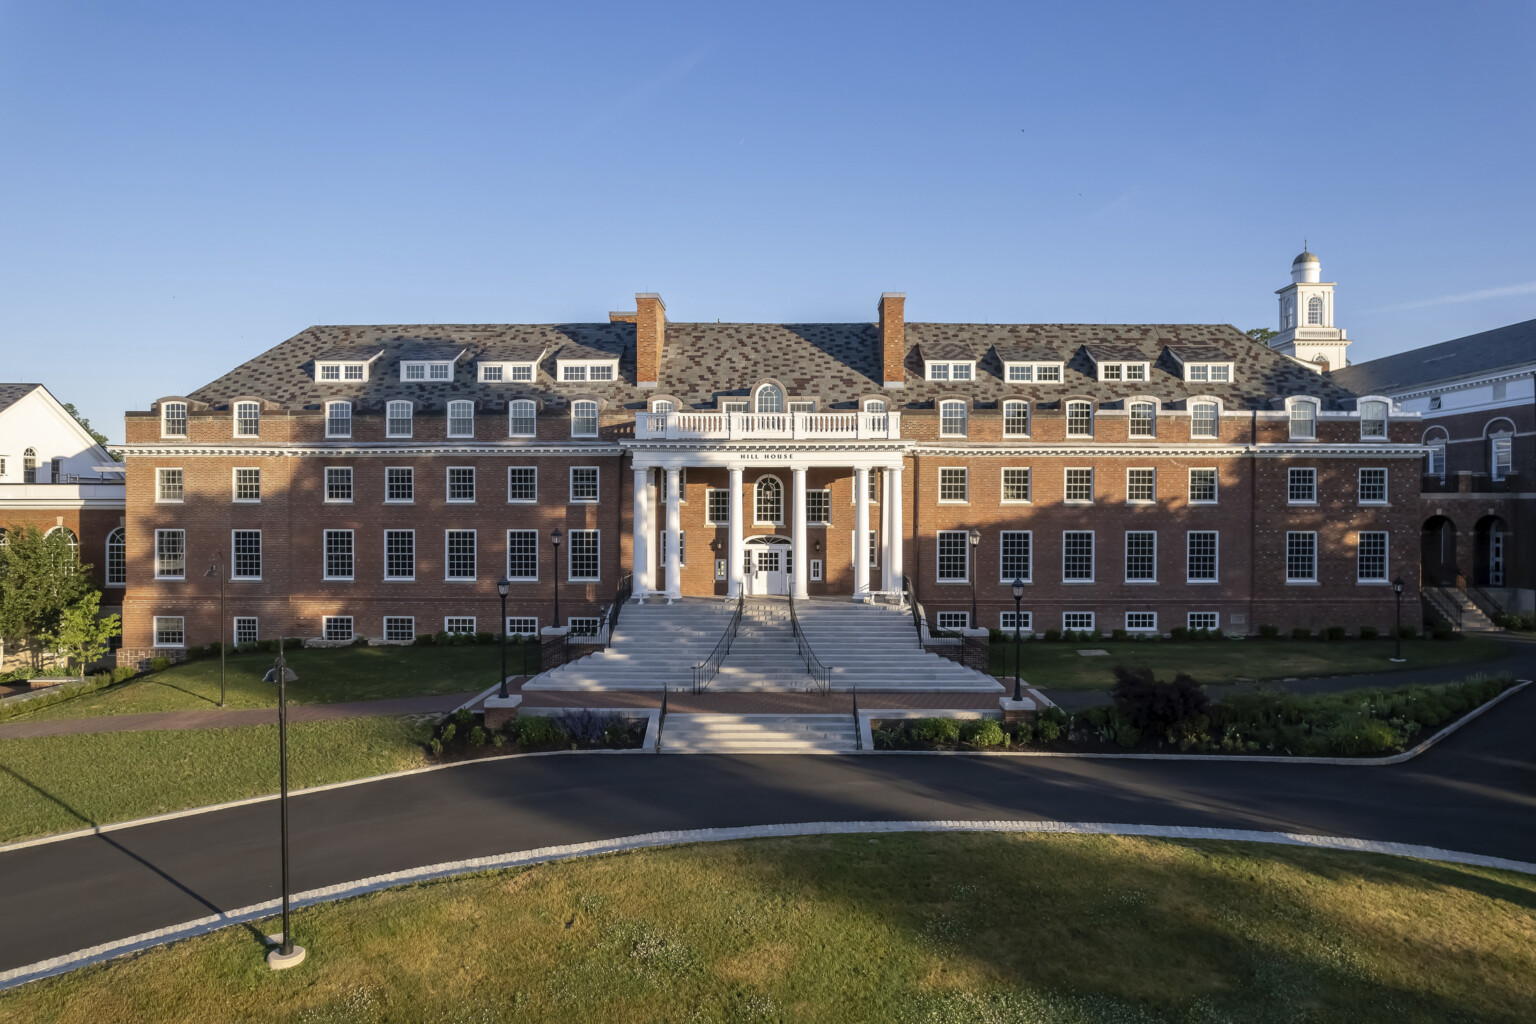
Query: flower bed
{"points": [[462, 736]]}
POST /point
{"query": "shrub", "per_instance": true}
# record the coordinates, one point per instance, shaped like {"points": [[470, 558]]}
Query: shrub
{"points": [[477, 736], [1153, 706], [426, 640], [449, 732], [159, 663], [267, 645], [1126, 734], [1118, 634], [498, 740], [442, 638], [1052, 635], [539, 731], [123, 672], [1369, 632], [586, 728], [1360, 736], [1269, 632], [935, 730], [1179, 634], [998, 636], [984, 733], [436, 746], [1047, 730], [1334, 633], [483, 637], [1301, 633]]}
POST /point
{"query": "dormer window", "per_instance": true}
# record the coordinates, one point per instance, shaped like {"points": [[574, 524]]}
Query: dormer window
{"points": [[1122, 371], [1303, 420], [173, 419], [1218, 372], [334, 370], [1027, 373], [1079, 419], [338, 419], [496, 373], [397, 419], [247, 419], [1373, 421], [572, 370], [951, 370], [770, 399], [424, 370], [461, 419]]}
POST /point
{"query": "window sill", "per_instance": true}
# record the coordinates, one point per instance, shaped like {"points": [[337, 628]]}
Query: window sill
{"points": [[337, 501], [169, 579], [1198, 583], [399, 501], [953, 583], [1009, 583], [245, 579], [1016, 501], [522, 501], [459, 501], [1141, 501], [1301, 583], [170, 501], [1140, 583], [245, 501], [337, 579], [1373, 583], [1201, 501], [954, 501], [1075, 501], [461, 579], [1077, 583], [399, 579], [1374, 504], [573, 501], [1301, 504]]}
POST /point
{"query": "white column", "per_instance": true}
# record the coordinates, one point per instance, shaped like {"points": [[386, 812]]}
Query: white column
{"points": [[801, 548], [645, 528], [738, 541], [893, 527], [674, 526], [861, 532], [885, 531]]}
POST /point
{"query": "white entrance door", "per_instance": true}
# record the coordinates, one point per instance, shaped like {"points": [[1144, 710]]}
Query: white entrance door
{"points": [[768, 576]]}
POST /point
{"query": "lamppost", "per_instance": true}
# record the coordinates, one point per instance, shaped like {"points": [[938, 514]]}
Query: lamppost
{"points": [[503, 585], [554, 536], [1397, 632], [212, 569], [287, 954], [975, 540], [1018, 596]]}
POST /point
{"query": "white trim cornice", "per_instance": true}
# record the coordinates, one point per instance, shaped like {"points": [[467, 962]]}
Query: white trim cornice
{"points": [[363, 450], [1465, 384]]}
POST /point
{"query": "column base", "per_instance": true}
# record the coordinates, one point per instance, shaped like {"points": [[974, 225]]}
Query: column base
{"points": [[499, 711], [278, 960], [1016, 710]]}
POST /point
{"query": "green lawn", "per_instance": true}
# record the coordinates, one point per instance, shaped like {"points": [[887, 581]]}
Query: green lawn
{"points": [[1059, 666], [988, 928], [326, 676], [62, 783]]}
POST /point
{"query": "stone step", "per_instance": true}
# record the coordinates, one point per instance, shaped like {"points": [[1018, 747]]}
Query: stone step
{"points": [[757, 734]]}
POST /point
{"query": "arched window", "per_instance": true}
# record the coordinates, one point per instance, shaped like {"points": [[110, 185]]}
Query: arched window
{"points": [[874, 405], [247, 419], [1501, 448], [662, 408], [952, 419], [69, 538], [584, 419], [1079, 419], [397, 419], [1015, 419], [1373, 420], [1303, 420], [29, 466], [117, 557], [338, 419], [1290, 315], [1202, 419], [770, 398], [1143, 419], [769, 504], [1315, 311], [1434, 463], [520, 418], [461, 419]]}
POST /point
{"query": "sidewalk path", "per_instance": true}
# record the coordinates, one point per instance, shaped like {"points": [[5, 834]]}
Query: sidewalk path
{"points": [[224, 718]]}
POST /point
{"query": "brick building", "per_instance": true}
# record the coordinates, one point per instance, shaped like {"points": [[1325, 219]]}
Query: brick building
{"points": [[377, 481]]}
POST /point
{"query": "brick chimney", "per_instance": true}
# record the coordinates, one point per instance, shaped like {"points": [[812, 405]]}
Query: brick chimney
{"points": [[893, 338], [650, 335]]}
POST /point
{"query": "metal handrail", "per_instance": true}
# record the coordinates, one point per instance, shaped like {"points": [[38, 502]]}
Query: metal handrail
{"points": [[917, 621], [858, 734], [710, 667], [820, 674], [1440, 605], [621, 595]]}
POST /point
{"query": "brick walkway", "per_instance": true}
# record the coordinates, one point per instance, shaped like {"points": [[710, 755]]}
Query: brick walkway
{"points": [[223, 718]]}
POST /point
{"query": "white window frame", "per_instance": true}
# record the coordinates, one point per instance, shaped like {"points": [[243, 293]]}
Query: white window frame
{"points": [[584, 625], [596, 416], [1501, 445], [947, 405], [460, 620], [524, 578], [533, 417], [1290, 486], [1066, 485], [325, 554], [853, 548], [397, 578], [1091, 627], [823, 502], [1360, 486], [1385, 421], [181, 481], [235, 629], [331, 420], [410, 472], [1015, 403], [1215, 498], [1028, 576], [1189, 543], [1194, 418], [1028, 498], [1067, 410], [159, 575], [515, 623], [411, 619], [523, 469], [725, 493], [965, 485], [1131, 414], [391, 417], [1291, 407], [1032, 373], [580, 371], [1093, 560], [1217, 372], [949, 369], [1148, 628], [460, 404], [448, 497], [757, 518], [1121, 370], [597, 477], [1386, 558], [815, 574], [1215, 620], [1309, 580], [953, 620], [325, 628], [1140, 581], [506, 372], [570, 556], [351, 485], [1140, 501], [448, 560], [180, 629], [234, 560], [239, 420], [427, 369], [166, 419], [1026, 622], [234, 485], [938, 561], [116, 564]]}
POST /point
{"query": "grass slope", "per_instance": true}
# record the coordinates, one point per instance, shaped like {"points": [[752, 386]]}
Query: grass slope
{"points": [[61, 783], [1059, 665], [992, 928]]}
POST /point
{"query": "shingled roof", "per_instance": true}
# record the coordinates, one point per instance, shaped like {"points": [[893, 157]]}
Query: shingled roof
{"points": [[837, 363], [1472, 356], [10, 394]]}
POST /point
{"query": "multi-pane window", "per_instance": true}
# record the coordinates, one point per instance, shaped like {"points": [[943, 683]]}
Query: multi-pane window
{"points": [[584, 419], [338, 419], [173, 419], [1140, 556], [522, 371], [1204, 620], [1141, 622], [1079, 419], [770, 399], [1373, 420], [522, 625], [413, 371], [769, 503], [1014, 560], [954, 556], [1301, 487], [1143, 419], [338, 483], [818, 507], [247, 419], [717, 506], [520, 418], [1303, 421], [522, 483], [461, 483], [245, 630], [400, 484], [338, 554], [1314, 311], [1371, 558], [1373, 486], [1202, 486], [583, 554], [815, 570], [352, 371], [245, 555], [1077, 556], [585, 625], [1201, 562], [117, 557], [460, 547], [1016, 483], [1021, 621], [336, 627], [951, 419], [1437, 457], [168, 485], [1015, 419], [1221, 372], [1503, 452], [399, 628], [461, 419], [853, 546], [954, 484], [399, 554], [492, 372], [170, 554], [439, 371], [1202, 419], [330, 371], [600, 371], [1141, 485], [1079, 487], [1078, 622], [247, 484], [1301, 557], [170, 631], [949, 371], [583, 483], [954, 620], [522, 554], [397, 419], [458, 624]]}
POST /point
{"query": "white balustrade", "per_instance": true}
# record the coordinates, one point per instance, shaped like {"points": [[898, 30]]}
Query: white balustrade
{"points": [[717, 426]]}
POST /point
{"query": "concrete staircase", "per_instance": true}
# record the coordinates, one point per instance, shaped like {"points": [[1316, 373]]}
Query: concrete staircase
{"points": [[763, 656], [1473, 620], [655, 646], [874, 647], [757, 734]]}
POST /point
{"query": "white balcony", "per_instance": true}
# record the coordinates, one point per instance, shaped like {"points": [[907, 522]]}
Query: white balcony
{"points": [[768, 426]]}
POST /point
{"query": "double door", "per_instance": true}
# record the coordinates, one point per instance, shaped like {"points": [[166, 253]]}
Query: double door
{"points": [[768, 571]]}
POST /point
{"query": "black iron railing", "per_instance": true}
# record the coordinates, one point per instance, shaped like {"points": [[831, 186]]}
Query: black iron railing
{"points": [[858, 735], [820, 674], [917, 615], [1441, 606], [704, 673], [621, 595]]}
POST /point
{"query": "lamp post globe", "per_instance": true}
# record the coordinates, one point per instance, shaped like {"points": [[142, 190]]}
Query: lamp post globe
{"points": [[1018, 597], [503, 587]]}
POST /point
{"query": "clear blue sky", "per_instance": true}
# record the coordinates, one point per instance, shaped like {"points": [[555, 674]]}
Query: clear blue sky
{"points": [[186, 184]]}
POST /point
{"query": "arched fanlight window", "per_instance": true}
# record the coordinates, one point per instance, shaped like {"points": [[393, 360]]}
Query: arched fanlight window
{"points": [[69, 538], [520, 418], [117, 557], [1373, 420], [1143, 419], [1315, 311], [874, 405], [461, 419], [29, 466], [1303, 420], [769, 504], [770, 398], [584, 419]]}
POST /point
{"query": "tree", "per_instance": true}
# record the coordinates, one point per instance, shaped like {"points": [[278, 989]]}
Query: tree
{"points": [[82, 632], [1261, 334], [39, 578], [101, 438]]}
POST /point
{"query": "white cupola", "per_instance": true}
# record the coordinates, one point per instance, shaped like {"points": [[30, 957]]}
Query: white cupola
{"points": [[1307, 333]]}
